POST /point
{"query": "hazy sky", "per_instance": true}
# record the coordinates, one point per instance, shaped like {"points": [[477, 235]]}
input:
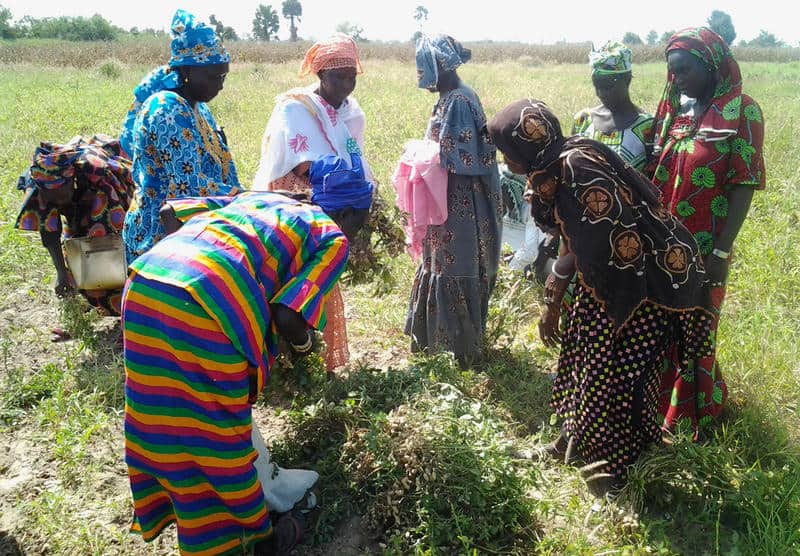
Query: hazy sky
{"points": [[537, 21]]}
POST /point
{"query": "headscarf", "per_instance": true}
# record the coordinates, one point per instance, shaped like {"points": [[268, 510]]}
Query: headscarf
{"points": [[722, 117], [441, 52], [612, 59], [627, 246], [193, 44], [339, 51], [335, 185]]}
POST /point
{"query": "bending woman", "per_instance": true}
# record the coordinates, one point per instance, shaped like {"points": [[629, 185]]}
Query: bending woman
{"points": [[175, 145], [450, 296], [709, 143], [306, 124], [88, 186], [639, 277], [201, 314]]}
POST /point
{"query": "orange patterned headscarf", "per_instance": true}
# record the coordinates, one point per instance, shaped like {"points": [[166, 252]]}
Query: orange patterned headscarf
{"points": [[340, 51]]}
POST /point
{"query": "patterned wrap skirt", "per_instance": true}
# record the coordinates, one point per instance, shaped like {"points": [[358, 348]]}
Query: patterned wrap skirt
{"points": [[188, 425], [450, 295], [607, 384]]}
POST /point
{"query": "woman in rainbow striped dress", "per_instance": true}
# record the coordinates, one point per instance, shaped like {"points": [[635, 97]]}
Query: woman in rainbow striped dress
{"points": [[202, 311]]}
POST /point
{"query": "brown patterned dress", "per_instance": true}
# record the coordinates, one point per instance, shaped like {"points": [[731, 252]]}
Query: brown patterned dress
{"points": [[450, 296]]}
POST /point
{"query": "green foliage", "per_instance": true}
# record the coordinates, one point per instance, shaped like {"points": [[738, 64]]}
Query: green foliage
{"points": [[225, 32], [720, 22], [631, 39], [734, 493], [352, 29], [292, 9], [764, 40], [110, 69], [95, 28], [652, 38], [21, 392], [437, 475], [265, 23], [7, 30]]}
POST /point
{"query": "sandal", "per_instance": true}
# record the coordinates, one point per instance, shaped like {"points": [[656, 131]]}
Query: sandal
{"points": [[287, 532], [59, 335]]}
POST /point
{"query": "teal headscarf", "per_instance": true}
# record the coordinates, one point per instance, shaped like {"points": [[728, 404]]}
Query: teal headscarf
{"points": [[438, 52], [612, 59]]}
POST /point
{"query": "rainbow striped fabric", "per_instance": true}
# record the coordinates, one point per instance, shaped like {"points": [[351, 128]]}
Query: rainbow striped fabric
{"points": [[197, 330]]}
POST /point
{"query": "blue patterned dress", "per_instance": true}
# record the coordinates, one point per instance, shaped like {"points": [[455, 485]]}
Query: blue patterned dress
{"points": [[177, 152]]}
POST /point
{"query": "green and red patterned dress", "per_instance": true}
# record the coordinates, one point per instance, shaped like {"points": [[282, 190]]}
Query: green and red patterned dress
{"points": [[700, 159]]}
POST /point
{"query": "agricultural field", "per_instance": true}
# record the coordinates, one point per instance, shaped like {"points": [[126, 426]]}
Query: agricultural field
{"points": [[415, 456]]}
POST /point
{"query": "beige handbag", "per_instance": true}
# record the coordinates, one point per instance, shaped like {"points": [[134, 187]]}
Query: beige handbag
{"points": [[97, 263]]}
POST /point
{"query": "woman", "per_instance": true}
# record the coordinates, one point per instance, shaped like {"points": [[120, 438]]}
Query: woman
{"points": [[201, 314], [306, 124], [88, 185], [617, 121], [172, 138], [709, 144], [639, 278], [452, 285]]}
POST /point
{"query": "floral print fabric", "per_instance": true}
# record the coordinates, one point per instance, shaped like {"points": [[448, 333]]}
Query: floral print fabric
{"points": [[178, 152]]}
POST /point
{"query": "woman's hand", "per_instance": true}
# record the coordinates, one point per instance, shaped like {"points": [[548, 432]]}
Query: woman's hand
{"points": [[716, 270], [554, 288], [548, 325], [63, 286], [168, 219]]}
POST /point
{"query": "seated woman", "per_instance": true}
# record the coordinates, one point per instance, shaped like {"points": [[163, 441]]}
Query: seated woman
{"points": [[450, 296], [308, 123], [88, 186], [637, 294], [202, 311], [175, 145]]}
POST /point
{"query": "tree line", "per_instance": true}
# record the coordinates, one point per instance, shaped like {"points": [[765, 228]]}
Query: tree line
{"points": [[719, 22], [266, 24]]}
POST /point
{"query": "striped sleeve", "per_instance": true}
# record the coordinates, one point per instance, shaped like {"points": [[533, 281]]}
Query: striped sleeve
{"points": [[306, 290], [189, 206]]}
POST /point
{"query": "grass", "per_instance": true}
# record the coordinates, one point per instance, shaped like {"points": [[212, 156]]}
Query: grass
{"points": [[431, 456]]}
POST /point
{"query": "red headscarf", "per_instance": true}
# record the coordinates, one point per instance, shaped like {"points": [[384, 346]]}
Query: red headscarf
{"points": [[340, 51], [722, 117]]}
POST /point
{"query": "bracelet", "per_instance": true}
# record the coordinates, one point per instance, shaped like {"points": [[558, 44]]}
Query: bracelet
{"points": [[557, 275], [303, 348], [721, 254]]}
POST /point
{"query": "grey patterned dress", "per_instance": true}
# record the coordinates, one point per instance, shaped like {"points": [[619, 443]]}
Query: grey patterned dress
{"points": [[450, 295]]}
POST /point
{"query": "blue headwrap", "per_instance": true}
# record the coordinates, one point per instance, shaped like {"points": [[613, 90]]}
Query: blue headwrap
{"points": [[193, 44], [440, 52], [335, 185]]}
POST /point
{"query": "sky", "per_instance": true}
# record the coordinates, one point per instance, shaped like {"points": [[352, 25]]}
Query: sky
{"points": [[538, 21]]}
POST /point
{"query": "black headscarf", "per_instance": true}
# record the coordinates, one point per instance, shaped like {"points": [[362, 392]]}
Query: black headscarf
{"points": [[628, 248]]}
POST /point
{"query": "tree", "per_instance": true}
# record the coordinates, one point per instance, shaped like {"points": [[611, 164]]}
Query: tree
{"points": [[291, 10], [7, 30], [666, 36], [420, 14], [66, 28], [721, 24], [652, 38], [266, 23], [225, 33], [764, 40], [355, 31], [631, 39]]}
